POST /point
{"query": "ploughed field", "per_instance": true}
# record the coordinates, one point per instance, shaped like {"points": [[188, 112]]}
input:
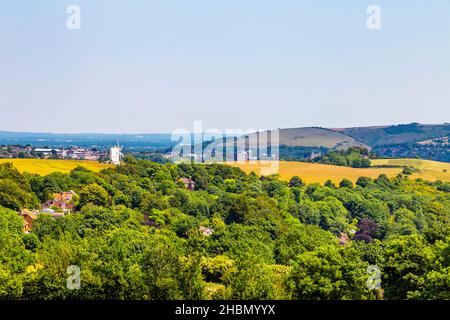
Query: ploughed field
{"points": [[314, 172], [47, 166]]}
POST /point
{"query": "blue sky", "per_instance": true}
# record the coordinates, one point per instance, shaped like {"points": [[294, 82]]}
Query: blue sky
{"points": [[155, 66]]}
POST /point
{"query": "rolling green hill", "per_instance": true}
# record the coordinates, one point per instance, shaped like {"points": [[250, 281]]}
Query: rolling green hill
{"points": [[396, 134], [412, 140], [395, 141], [308, 137], [367, 137], [317, 137]]}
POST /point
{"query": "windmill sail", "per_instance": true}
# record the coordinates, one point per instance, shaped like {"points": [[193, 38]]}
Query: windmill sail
{"points": [[115, 154]]}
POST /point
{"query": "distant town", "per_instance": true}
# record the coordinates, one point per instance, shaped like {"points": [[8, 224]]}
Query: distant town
{"points": [[113, 155], [72, 153]]}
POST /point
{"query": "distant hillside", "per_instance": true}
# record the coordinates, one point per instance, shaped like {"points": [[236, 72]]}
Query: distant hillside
{"points": [[317, 137], [396, 134], [367, 137], [396, 141], [309, 137]]}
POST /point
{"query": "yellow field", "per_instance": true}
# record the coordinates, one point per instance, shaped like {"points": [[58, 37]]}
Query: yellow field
{"points": [[309, 172], [314, 172], [47, 166], [428, 170]]}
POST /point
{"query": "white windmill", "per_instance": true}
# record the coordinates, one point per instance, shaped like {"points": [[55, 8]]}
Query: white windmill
{"points": [[115, 154]]}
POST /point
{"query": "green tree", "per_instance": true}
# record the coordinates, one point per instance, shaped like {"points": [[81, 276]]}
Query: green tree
{"points": [[296, 182], [161, 267], [13, 196], [95, 194], [407, 260], [363, 181], [14, 258], [345, 183], [330, 273], [298, 239]]}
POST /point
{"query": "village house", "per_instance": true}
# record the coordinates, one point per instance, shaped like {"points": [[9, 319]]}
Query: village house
{"points": [[206, 231], [188, 183], [343, 239], [61, 204], [28, 217], [45, 152], [63, 201], [314, 155]]}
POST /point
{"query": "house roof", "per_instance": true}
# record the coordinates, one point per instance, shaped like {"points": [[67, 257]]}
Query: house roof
{"points": [[29, 213], [187, 180], [206, 231]]}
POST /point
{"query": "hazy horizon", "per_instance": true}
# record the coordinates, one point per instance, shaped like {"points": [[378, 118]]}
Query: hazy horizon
{"points": [[156, 66], [187, 128]]}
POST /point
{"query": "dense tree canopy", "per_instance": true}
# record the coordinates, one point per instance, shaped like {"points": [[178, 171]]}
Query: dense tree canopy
{"points": [[139, 233]]}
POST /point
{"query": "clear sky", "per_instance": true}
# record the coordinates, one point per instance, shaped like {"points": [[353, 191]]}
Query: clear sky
{"points": [[155, 66]]}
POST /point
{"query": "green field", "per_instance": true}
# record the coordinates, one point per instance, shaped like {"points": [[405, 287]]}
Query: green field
{"points": [[46, 166]]}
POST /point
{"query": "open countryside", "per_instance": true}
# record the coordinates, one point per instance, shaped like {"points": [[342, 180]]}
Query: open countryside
{"points": [[309, 172], [315, 172], [46, 166], [426, 169]]}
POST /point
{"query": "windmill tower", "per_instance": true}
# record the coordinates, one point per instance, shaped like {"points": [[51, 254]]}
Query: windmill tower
{"points": [[115, 154]]}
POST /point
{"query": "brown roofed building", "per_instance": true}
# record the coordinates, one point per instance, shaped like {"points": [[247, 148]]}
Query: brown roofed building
{"points": [[188, 183], [206, 231], [28, 217], [62, 200]]}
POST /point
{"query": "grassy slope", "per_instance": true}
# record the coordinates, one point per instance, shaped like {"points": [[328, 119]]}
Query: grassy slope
{"points": [[375, 136], [315, 137], [312, 172], [304, 137], [44, 167], [429, 170], [359, 136]]}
